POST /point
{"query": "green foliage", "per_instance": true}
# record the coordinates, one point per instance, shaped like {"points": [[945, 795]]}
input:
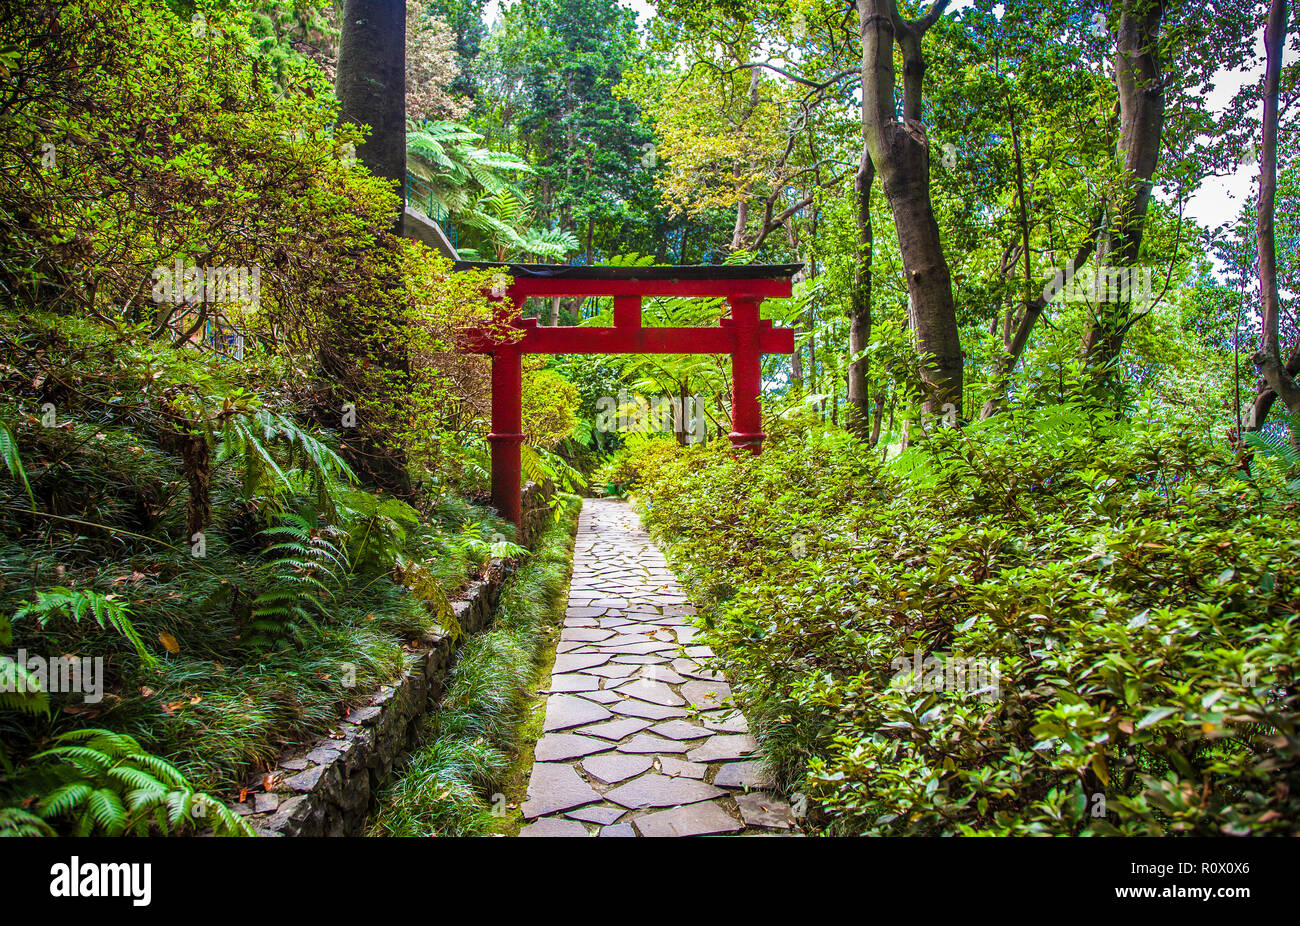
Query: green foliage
{"points": [[61, 603], [108, 785], [14, 821], [377, 527], [475, 187], [549, 401], [249, 438], [543, 466], [301, 569], [131, 420], [1133, 589], [448, 156], [1282, 450], [12, 460]]}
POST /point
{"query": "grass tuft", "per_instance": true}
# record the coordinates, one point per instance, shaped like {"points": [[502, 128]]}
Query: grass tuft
{"points": [[450, 785]]}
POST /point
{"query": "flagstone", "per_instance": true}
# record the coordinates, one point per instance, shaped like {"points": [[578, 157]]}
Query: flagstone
{"points": [[660, 673], [604, 696], [570, 662], [616, 729], [758, 808], [723, 746], [706, 694], [634, 708], [601, 813], [679, 768], [702, 819], [564, 711], [746, 774], [585, 634], [680, 730], [556, 747], [726, 721], [554, 827], [574, 682], [652, 744], [644, 689], [654, 790], [640, 736], [611, 670], [554, 787], [611, 767]]}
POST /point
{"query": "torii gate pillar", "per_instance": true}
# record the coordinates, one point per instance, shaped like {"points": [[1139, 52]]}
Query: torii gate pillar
{"points": [[507, 433], [746, 376]]}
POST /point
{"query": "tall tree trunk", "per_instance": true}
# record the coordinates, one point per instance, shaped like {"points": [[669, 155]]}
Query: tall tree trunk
{"points": [[371, 84], [371, 88], [900, 152], [1277, 377], [742, 207], [858, 413], [1142, 115]]}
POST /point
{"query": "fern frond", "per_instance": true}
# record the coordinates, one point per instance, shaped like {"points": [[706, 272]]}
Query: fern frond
{"points": [[13, 461]]}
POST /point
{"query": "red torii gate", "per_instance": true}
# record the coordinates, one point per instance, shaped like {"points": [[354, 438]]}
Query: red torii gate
{"points": [[744, 335]]}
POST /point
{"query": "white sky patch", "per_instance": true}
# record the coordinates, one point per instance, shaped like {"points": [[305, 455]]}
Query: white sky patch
{"points": [[644, 10]]}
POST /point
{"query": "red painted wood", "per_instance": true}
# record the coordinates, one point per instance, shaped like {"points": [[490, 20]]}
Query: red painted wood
{"points": [[746, 376], [606, 340], [506, 436], [744, 335], [627, 311], [543, 286]]}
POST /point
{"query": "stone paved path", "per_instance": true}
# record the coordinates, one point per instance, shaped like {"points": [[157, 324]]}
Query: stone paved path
{"points": [[640, 736]]}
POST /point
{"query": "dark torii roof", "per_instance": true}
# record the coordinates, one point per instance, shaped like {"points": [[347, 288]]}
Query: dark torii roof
{"points": [[657, 274]]}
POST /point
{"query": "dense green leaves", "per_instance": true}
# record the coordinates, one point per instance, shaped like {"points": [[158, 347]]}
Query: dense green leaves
{"points": [[1130, 596]]}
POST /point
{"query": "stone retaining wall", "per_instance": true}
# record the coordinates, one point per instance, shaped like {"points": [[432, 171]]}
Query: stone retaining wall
{"points": [[324, 788]]}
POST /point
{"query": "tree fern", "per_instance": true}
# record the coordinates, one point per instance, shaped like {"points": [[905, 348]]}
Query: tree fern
{"points": [[377, 528], [541, 466], [15, 821], [24, 695], [451, 160], [425, 586], [1281, 447], [250, 437], [506, 220]]}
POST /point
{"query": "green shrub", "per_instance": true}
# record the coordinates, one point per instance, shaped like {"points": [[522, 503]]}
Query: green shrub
{"points": [[1135, 590]]}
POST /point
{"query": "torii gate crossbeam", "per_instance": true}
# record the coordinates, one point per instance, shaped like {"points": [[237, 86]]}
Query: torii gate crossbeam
{"points": [[744, 336]]}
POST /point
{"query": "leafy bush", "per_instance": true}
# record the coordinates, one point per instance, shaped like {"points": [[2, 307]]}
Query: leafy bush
{"points": [[1131, 591], [183, 491]]}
